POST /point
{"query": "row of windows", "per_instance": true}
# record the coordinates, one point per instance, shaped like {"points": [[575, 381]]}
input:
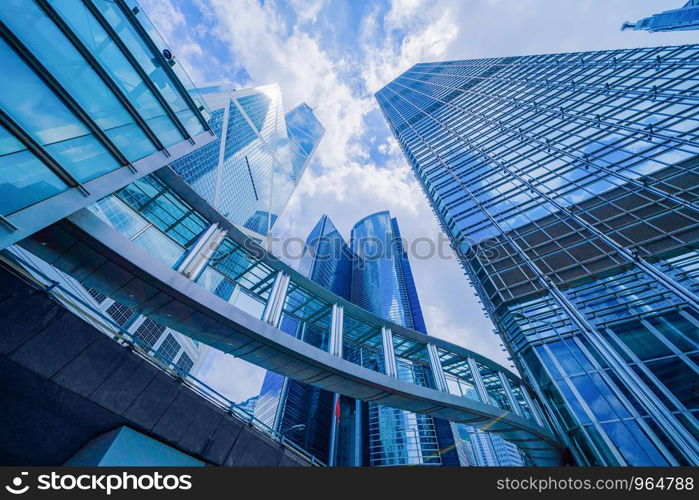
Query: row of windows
{"points": [[109, 115], [260, 156]]}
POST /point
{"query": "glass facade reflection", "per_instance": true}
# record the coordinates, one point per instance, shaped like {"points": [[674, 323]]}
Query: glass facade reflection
{"points": [[382, 283], [249, 172], [568, 184], [685, 18], [88, 98]]}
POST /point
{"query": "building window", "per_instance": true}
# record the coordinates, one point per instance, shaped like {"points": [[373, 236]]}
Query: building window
{"points": [[149, 332], [119, 313], [168, 349], [185, 363]]}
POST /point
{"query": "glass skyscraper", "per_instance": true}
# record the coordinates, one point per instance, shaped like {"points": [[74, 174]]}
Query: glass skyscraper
{"points": [[482, 449], [568, 185], [303, 413], [250, 170], [382, 283], [373, 272], [327, 259], [684, 18]]}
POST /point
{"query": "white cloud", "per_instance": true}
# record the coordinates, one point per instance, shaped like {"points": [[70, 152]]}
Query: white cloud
{"points": [[271, 51], [346, 184], [234, 378], [307, 10], [174, 28], [429, 29]]}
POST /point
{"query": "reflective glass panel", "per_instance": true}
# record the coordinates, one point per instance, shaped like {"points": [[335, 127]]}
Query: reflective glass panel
{"points": [[24, 179], [46, 42], [118, 67], [42, 114]]}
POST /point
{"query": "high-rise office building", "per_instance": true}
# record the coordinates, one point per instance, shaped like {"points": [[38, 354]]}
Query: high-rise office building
{"points": [[382, 283], [375, 274], [250, 171], [303, 413], [482, 449], [684, 18], [568, 185], [327, 259]]}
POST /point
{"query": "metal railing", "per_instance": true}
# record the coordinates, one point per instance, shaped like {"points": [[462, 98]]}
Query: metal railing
{"points": [[407, 369], [60, 292]]}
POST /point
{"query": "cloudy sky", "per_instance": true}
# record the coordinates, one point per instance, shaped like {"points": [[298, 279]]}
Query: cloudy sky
{"points": [[333, 55]]}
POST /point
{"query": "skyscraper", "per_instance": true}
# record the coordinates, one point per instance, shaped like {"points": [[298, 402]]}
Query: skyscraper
{"points": [[568, 185], [306, 414], [684, 18], [327, 259], [250, 171], [382, 283], [481, 449], [375, 274]]}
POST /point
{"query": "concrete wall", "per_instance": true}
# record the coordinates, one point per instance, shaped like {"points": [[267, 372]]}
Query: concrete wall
{"points": [[62, 383]]}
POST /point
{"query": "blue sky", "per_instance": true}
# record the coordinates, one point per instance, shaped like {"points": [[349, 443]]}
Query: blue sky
{"points": [[333, 55]]}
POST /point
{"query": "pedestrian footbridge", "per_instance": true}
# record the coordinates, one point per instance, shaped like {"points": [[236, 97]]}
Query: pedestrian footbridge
{"points": [[275, 318]]}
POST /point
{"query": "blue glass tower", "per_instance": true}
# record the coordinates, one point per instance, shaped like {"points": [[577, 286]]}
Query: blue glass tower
{"points": [[568, 185], [375, 274], [382, 283], [250, 171], [306, 414], [682, 19], [327, 259]]}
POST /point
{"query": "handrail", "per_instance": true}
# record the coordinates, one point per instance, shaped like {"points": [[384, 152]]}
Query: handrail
{"points": [[185, 191], [52, 288], [86, 245]]}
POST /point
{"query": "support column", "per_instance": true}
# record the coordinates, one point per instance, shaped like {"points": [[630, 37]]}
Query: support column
{"points": [[534, 410], [336, 325], [279, 412], [389, 355], [538, 412], [357, 433], [437, 371], [480, 386], [508, 393], [275, 303], [334, 426], [200, 253], [335, 348]]}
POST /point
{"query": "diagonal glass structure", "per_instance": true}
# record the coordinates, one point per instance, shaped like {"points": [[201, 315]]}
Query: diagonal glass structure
{"points": [[568, 184], [682, 19], [90, 108], [250, 171]]}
